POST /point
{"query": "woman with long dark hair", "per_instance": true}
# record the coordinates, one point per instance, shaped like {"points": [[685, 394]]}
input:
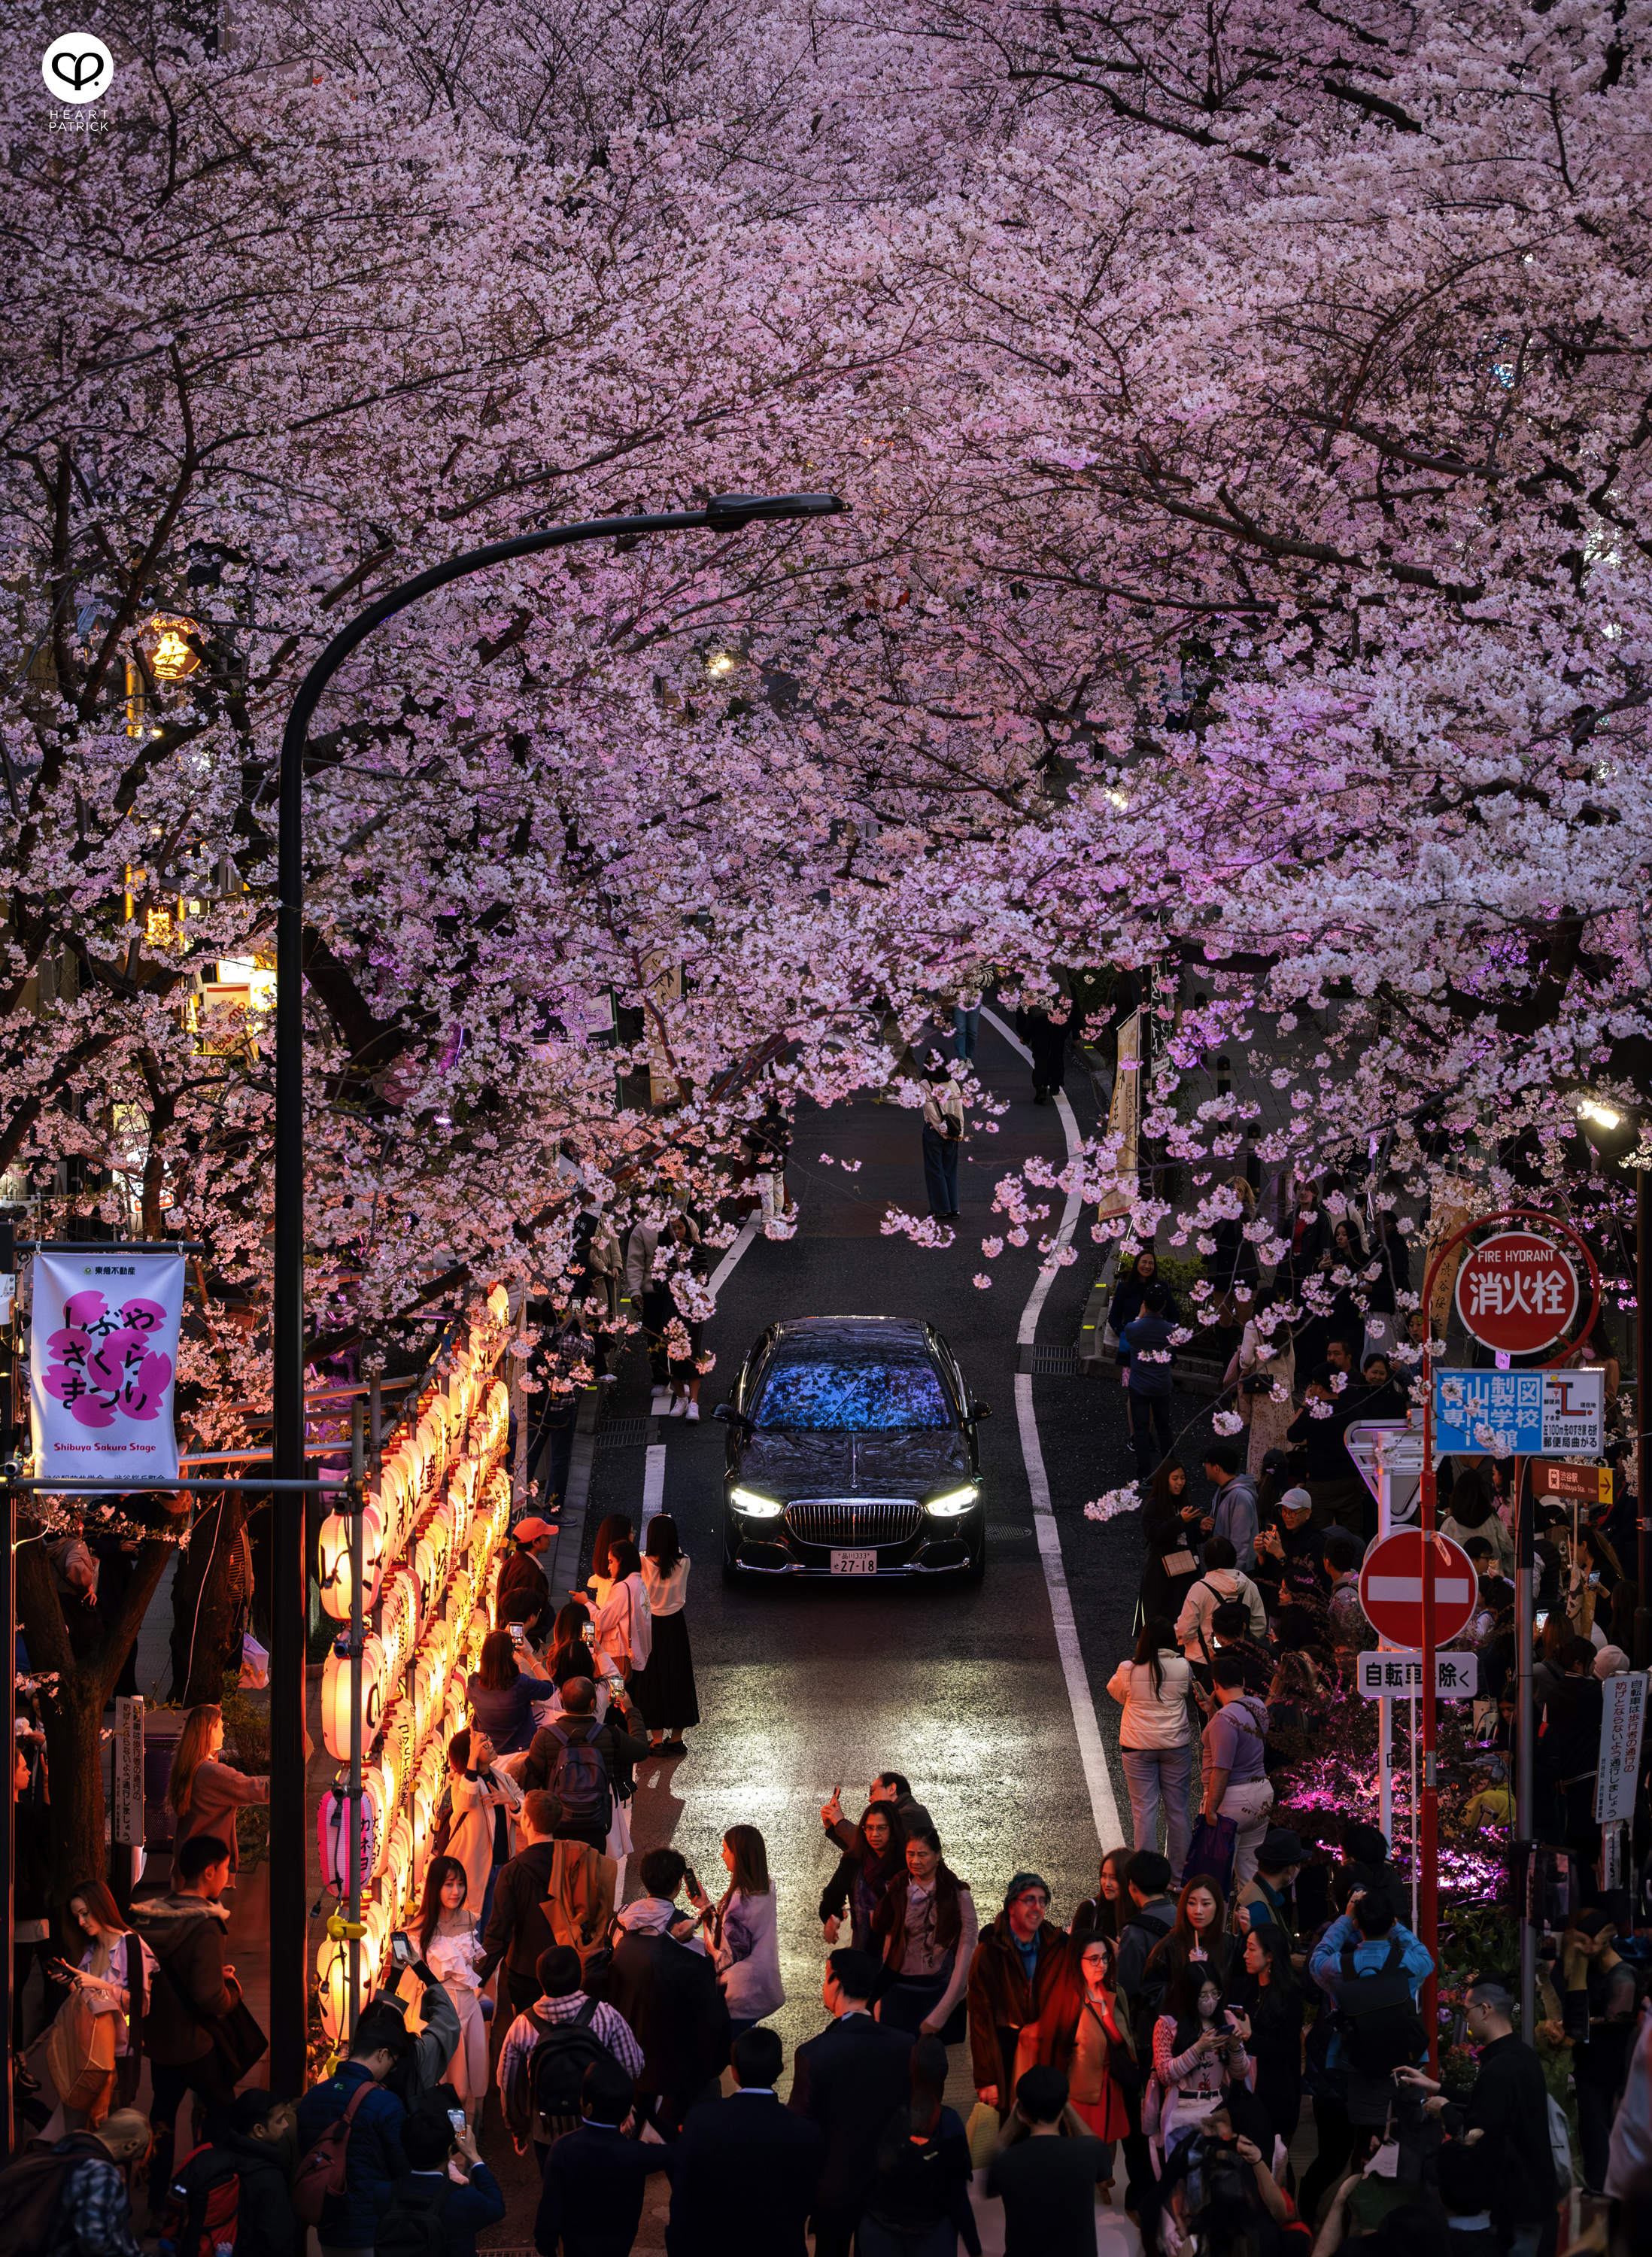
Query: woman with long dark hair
{"points": [[449, 1946], [499, 1696], [625, 1624], [117, 1966], [1197, 2049], [1135, 1276], [665, 1691], [616, 1529], [926, 1932], [1106, 1912], [919, 2205], [863, 1872], [1265, 1990], [205, 1795], [1156, 1741], [1170, 1525]]}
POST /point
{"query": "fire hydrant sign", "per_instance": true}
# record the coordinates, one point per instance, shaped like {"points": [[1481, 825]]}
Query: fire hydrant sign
{"points": [[1518, 1292], [102, 1361], [1504, 1414], [1622, 1715]]}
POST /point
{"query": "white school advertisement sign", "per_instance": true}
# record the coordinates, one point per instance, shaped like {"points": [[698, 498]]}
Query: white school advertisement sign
{"points": [[102, 1361]]}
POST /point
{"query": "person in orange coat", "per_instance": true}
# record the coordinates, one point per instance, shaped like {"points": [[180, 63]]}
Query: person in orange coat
{"points": [[1083, 2030]]}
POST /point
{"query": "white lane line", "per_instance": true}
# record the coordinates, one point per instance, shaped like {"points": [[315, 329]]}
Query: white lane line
{"points": [[654, 1482], [1104, 1803], [729, 1262]]}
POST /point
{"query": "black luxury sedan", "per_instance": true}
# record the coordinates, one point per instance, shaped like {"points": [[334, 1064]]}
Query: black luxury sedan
{"points": [[851, 1451]]}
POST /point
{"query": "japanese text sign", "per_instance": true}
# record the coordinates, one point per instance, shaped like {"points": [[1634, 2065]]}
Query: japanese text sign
{"points": [[102, 1360], [1622, 1714], [1519, 1413], [1517, 1291], [1391, 1675]]}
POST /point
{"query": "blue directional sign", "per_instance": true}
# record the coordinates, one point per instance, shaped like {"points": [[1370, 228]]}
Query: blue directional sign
{"points": [[1488, 1413]]}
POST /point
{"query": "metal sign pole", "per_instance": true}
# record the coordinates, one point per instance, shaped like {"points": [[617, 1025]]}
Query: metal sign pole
{"points": [[1525, 1806], [356, 1467]]}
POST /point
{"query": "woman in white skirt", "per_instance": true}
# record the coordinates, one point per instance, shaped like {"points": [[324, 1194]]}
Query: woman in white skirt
{"points": [[450, 1946], [665, 1690], [743, 1931]]}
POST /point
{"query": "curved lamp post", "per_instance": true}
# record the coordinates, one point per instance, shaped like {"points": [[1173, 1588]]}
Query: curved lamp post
{"points": [[288, 1928]]}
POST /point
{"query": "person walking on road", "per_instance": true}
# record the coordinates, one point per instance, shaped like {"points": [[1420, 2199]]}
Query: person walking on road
{"points": [[768, 1142], [744, 2171], [850, 2081], [1235, 1746], [863, 1872], [1018, 1963], [664, 1691], [1170, 1530], [919, 2205], [1147, 1341], [743, 1931], [1219, 1580], [1233, 1512], [927, 1929], [1046, 1037], [943, 1141], [562, 2002], [1156, 1739]]}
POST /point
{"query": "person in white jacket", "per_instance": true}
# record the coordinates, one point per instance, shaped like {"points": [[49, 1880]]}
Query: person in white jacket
{"points": [[1156, 1739], [1220, 1581], [744, 1931]]}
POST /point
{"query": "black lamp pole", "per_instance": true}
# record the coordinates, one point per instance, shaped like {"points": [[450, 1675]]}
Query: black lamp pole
{"points": [[289, 1984]]}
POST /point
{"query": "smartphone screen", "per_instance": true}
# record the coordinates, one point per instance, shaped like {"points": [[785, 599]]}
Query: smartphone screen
{"points": [[400, 1948], [456, 2116], [689, 1882]]}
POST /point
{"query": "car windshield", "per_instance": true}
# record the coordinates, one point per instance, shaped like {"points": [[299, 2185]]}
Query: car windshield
{"points": [[858, 1388]]}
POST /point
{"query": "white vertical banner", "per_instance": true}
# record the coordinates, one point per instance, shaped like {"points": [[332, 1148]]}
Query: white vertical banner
{"points": [[102, 1361], [127, 1813], [1623, 1713]]}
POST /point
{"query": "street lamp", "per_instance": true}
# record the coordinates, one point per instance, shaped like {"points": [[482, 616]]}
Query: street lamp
{"points": [[288, 1956], [1614, 1131]]}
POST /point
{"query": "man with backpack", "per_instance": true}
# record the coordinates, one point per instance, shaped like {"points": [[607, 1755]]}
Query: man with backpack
{"points": [[234, 2189], [350, 2150], [547, 2050], [591, 2202], [1371, 1969], [1236, 1781], [578, 1760], [71, 2199], [444, 2199], [1151, 1918], [518, 1927]]}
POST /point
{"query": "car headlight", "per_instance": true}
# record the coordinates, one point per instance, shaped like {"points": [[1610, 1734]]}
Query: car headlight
{"points": [[954, 1500], [755, 1507]]}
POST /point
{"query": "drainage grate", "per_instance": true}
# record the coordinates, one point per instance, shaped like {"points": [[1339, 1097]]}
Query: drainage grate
{"points": [[625, 1433], [1053, 1363]]}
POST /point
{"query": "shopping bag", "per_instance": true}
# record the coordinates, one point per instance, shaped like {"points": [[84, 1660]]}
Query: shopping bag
{"points": [[255, 1663], [981, 2132], [1211, 1850]]}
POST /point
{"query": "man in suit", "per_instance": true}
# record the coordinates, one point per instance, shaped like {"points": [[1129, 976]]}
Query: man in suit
{"points": [[592, 2197], [744, 2171], [850, 2081]]}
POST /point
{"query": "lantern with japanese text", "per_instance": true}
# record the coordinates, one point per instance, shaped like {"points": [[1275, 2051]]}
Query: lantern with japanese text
{"points": [[399, 1620], [378, 1919], [334, 1564], [335, 1696], [332, 1975], [398, 1865]]}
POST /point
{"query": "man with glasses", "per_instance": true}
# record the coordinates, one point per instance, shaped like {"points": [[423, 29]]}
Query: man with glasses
{"points": [[1017, 1964]]}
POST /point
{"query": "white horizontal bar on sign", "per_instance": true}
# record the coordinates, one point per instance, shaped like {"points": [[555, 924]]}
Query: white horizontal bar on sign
{"points": [[1410, 1587]]}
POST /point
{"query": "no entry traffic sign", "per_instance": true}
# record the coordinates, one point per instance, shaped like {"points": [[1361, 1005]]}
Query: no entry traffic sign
{"points": [[1518, 1292], [1391, 1588]]}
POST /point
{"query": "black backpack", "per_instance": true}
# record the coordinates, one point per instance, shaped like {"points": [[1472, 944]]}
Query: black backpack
{"points": [[1145, 2006], [1380, 2028], [579, 1777], [544, 2099], [412, 2226]]}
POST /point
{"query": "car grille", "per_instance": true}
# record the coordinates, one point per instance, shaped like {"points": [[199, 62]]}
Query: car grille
{"points": [[863, 1521]]}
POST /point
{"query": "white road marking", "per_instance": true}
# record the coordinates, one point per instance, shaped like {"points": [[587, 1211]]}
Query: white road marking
{"points": [[654, 1482], [1104, 1803], [731, 1261]]}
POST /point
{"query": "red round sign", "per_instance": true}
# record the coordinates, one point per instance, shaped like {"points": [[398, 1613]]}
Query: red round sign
{"points": [[1391, 1588], [1518, 1292]]}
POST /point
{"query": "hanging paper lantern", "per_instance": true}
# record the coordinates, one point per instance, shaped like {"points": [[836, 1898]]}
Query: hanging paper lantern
{"points": [[335, 1696], [398, 1865], [399, 1621], [332, 1831], [453, 1719], [378, 1919], [332, 1973], [399, 1744], [476, 1632], [335, 1561], [462, 1496]]}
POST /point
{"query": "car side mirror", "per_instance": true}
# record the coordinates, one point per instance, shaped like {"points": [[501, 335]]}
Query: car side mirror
{"points": [[980, 1410], [725, 1413]]}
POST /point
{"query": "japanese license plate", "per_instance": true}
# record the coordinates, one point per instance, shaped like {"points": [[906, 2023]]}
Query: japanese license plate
{"points": [[854, 1563]]}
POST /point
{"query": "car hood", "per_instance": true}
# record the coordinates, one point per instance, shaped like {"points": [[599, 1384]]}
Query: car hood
{"points": [[876, 1464]]}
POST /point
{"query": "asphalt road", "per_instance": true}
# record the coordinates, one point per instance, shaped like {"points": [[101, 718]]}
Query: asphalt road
{"points": [[803, 1688]]}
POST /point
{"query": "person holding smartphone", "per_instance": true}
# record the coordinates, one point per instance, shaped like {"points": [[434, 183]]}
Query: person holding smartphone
{"points": [[445, 2174]]}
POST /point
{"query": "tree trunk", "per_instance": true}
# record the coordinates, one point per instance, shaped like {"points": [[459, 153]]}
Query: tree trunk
{"points": [[207, 1594], [72, 1707]]}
